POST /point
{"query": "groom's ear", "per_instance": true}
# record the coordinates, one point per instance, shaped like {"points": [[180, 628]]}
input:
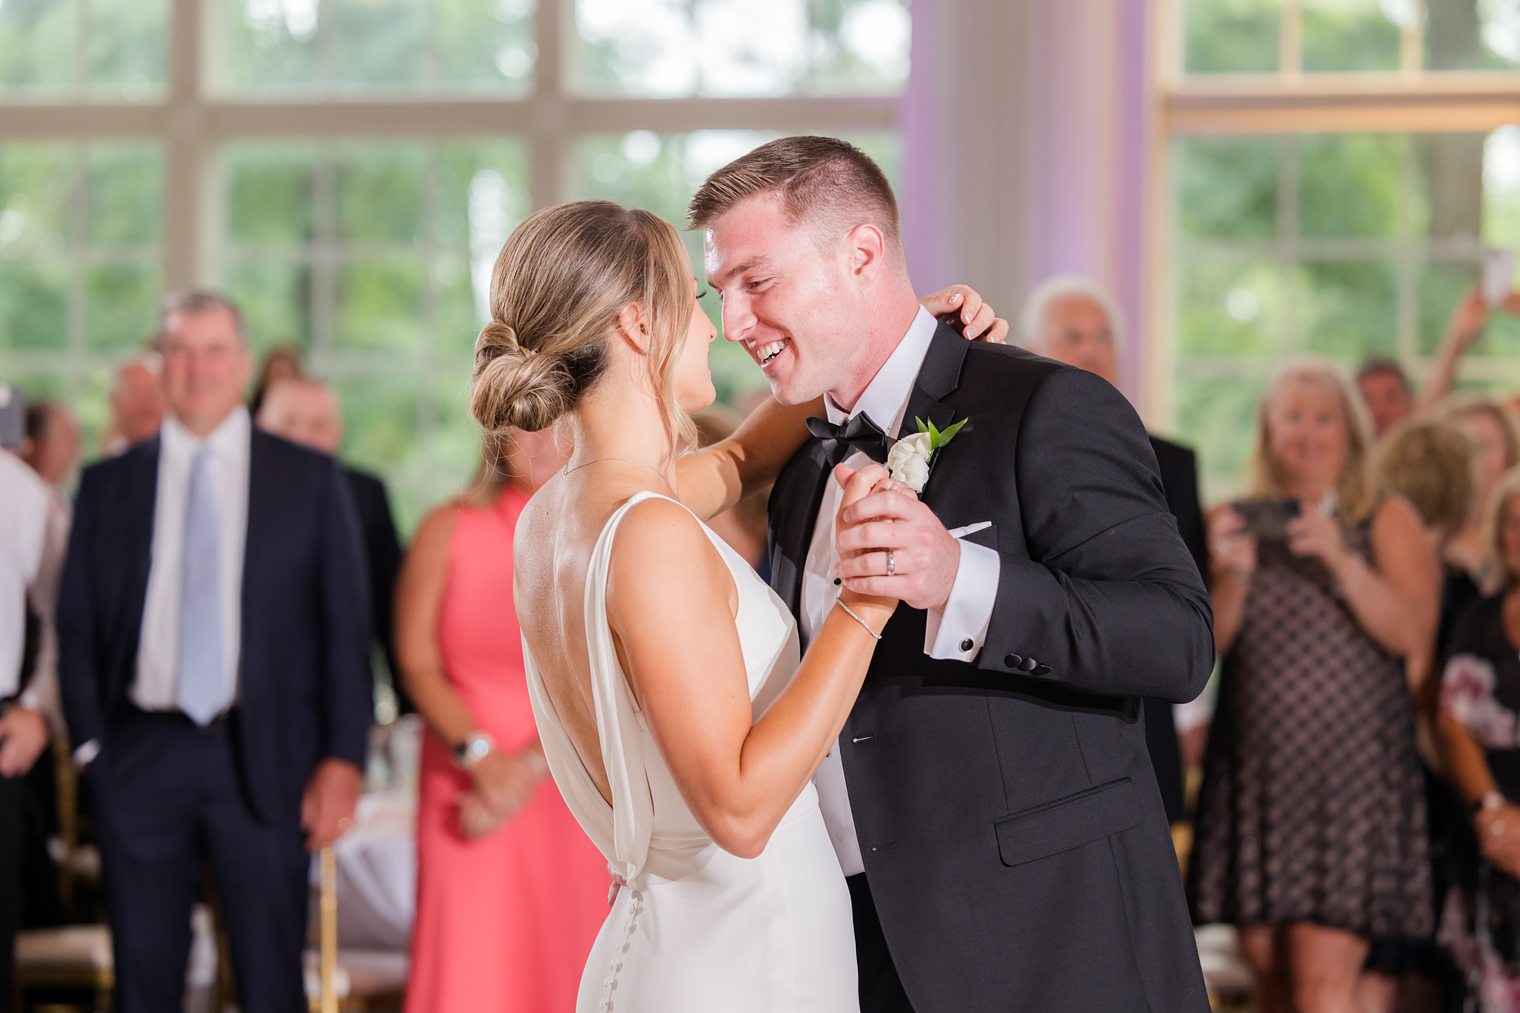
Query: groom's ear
{"points": [[867, 249], [633, 326]]}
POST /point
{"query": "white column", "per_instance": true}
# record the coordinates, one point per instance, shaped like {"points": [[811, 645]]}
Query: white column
{"points": [[1025, 149]]}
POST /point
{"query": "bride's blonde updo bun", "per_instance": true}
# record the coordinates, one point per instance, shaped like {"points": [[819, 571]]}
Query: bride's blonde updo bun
{"points": [[557, 288], [515, 387]]}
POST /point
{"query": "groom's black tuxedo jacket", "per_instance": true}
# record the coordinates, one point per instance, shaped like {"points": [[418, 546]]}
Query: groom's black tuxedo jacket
{"points": [[1013, 834]]}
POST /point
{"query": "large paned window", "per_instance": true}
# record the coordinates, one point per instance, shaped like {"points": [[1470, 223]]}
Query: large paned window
{"points": [[348, 170], [1335, 170]]}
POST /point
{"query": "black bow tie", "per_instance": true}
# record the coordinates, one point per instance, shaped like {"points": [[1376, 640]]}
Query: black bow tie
{"points": [[859, 433]]}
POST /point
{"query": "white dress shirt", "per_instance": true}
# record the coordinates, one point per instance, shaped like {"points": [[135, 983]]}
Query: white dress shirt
{"points": [[156, 686], [967, 612], [24, 507]]}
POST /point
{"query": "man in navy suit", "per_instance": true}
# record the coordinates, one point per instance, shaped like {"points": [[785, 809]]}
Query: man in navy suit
{"points": [[214, 669]]}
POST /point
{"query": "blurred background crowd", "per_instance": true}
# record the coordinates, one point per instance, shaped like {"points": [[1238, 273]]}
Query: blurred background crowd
{"points": [[1284, 228]]}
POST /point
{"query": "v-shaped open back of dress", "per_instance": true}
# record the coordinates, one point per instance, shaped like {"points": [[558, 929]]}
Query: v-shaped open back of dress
{"points": [[698, 929]]}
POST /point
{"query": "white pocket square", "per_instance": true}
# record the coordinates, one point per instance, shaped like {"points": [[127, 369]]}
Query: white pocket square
{"points": [[969, 529]]}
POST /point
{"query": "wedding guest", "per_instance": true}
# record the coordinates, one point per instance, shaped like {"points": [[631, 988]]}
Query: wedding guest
{"points": [[52, 443], [1429, 463], [307, 412], [1471, 564], [28, 675], [137, 403], [51, 449], [1387, 392], [282, 362], [510, 892], [215, 672], [1479, 723], [1386, 388], [1072, 319], [1311, 825]]}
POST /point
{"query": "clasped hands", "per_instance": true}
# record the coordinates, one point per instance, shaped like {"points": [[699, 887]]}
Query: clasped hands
{"points": [[890, 544], [503, 784]]}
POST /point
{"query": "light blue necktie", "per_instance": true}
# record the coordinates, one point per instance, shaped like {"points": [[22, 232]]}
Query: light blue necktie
{"points": [[200, 680]]}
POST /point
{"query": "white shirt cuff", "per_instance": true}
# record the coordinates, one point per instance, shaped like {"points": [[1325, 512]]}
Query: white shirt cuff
{"points": [[85, 754], [958, 632], [1194, 713]]}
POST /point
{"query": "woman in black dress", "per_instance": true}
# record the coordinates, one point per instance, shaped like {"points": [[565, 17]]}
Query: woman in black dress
{"points": [[1311, 825], [1479, 726]]}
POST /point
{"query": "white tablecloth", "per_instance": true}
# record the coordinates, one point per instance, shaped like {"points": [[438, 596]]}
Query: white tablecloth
{"points": [[377, 873]]}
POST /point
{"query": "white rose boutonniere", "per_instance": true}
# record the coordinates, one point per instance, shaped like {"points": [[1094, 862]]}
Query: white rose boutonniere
{"points": [[911, 457]]}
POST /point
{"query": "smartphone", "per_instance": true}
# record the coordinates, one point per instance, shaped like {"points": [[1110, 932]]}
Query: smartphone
{"points": [[1267, 519], [1498, 275], [12, 417]]}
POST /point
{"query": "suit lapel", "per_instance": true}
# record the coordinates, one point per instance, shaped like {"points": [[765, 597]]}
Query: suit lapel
{"points": [[260, 517], [938, 377], [142, 499]]}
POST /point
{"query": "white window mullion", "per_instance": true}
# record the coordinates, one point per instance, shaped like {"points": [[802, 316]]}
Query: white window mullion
{"points": [[1412, 39], [186, 194], [1290, 338], [550, 140], [325, 259], [76, 320]]}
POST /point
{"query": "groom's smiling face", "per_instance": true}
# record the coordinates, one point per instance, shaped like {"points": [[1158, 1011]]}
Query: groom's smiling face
{"points": [[786, 295]]}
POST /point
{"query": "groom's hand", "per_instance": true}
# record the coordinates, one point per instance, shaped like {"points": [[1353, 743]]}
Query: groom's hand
{"points": [[924, 556]]}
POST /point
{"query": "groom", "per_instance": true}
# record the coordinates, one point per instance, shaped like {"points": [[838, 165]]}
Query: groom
{"points": [[990, 797]]}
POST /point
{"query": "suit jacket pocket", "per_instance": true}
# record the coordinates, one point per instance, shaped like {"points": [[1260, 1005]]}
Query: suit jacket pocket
{"points": [[1066, 823]]}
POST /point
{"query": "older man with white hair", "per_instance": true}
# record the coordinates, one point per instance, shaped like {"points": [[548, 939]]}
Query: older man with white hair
{"points": [[1073, 320]]}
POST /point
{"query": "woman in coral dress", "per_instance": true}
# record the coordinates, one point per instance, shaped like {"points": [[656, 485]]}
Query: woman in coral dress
{"points": [[510, 892]]}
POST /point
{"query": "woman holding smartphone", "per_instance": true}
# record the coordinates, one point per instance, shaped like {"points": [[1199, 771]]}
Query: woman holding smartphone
{"points": [[1311, 825]]}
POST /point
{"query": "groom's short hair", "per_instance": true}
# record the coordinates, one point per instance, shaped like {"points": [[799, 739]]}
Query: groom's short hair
{"points": [[822, 179]]}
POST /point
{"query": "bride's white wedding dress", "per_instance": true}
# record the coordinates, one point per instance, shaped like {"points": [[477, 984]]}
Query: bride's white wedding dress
{"points": [[696, 929]]}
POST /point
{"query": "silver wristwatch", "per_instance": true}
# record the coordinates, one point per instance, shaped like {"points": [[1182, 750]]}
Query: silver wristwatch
{"points": [[475, 747]]}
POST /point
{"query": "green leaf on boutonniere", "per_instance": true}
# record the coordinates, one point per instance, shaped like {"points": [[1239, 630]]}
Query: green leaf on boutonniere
{"points": [[938, 437]]}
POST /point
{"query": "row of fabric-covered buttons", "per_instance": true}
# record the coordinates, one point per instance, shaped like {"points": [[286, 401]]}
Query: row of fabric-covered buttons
{"points": [[635, 908]]}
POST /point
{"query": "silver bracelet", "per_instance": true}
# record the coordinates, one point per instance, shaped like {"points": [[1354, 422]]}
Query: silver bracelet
{"points": [[851, 613]]}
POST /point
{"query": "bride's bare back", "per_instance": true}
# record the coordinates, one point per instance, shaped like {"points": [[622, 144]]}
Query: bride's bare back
{"points": [[555, 537]]}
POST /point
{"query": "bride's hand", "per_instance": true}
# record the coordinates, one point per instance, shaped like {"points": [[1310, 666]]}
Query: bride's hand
{"points": [[857, 486], [962, 306]]}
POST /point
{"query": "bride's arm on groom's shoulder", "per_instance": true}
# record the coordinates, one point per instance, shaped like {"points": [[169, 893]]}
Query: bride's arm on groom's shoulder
{"points": [[962, 306], [737, 775], [713, 479]]}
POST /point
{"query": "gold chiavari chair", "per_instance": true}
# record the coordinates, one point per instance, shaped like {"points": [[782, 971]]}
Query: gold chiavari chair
{"points": [[350, 981]]}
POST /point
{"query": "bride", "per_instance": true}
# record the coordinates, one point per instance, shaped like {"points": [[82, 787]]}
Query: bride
{"points": [[674, 712]]}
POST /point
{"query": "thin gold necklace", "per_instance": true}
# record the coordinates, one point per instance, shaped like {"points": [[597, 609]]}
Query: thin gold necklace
{"points": [[621, 460]]}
